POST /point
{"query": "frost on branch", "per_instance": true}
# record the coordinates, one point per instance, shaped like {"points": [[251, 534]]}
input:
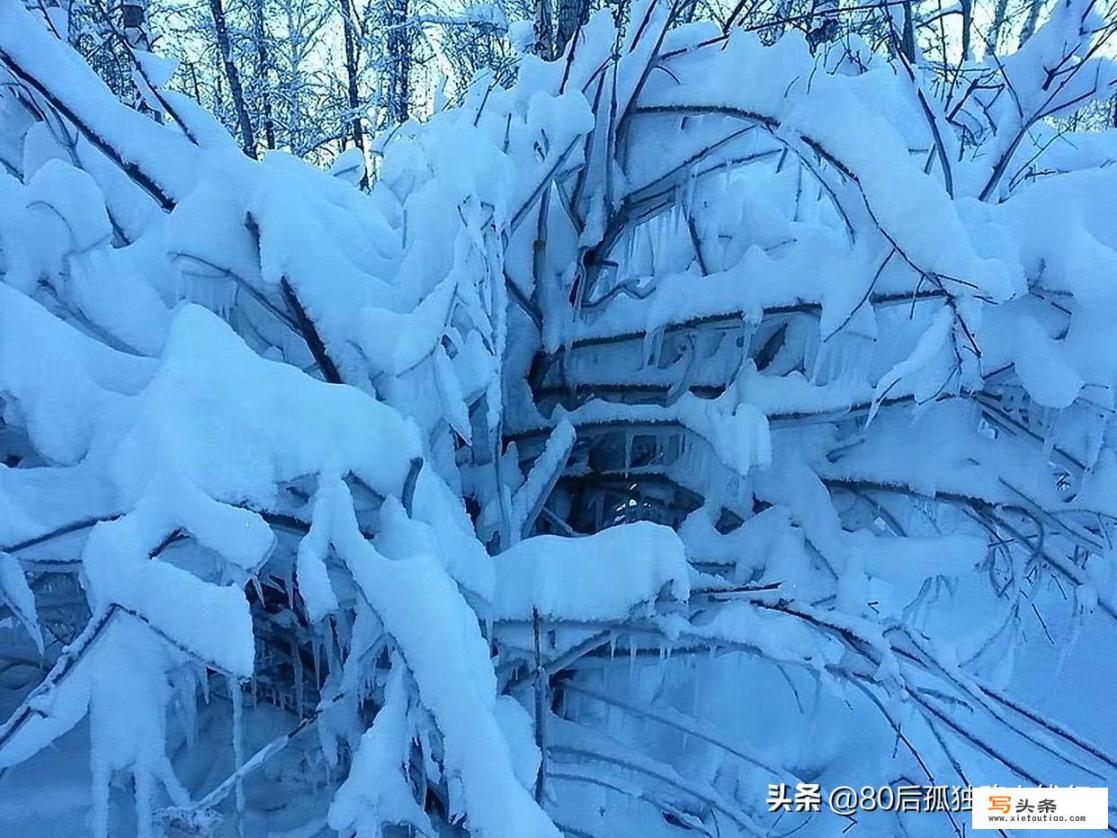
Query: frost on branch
{"points": [[715, 421]]}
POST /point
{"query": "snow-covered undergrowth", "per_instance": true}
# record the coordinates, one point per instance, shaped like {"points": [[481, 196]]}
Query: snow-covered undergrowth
{"points": [[691, 416]]}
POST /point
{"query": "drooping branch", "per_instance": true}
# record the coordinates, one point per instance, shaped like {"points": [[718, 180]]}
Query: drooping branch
{"points": [[310, 334], [132, 169]]}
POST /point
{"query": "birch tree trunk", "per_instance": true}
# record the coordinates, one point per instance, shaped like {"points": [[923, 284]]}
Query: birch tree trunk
{"points": [[248, 138]]}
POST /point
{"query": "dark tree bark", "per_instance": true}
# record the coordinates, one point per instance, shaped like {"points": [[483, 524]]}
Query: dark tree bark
{"points": [[1034, 8], [133, 19], [396, 14], [133, 22], [967, 29], [544, 29], [263, 66], [352, 67], [572, 14], [907, 37], [248, 138], [1000, 18], [824, 26], [194, 82]]}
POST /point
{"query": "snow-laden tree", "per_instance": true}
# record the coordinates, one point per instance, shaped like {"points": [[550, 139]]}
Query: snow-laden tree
{"points": [[691, 416]]}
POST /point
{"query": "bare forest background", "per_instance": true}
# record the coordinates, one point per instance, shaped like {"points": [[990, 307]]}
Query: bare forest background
{"points": [[316, 77]]}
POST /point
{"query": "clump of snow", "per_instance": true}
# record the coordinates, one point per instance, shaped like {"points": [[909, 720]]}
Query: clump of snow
{"points": [[600, 577]]}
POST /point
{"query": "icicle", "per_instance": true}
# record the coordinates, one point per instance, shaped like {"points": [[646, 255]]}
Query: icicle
{"points": [[631, 655], [238, 734], [688, 193], [144, 794], [186, 689], [814, 359], [1095, 438], [662, 669], [1076, 623], [1049, 420], [314, 644], [333, 645], [653, 347], [297, 665], [217, 293], [99, 811]]}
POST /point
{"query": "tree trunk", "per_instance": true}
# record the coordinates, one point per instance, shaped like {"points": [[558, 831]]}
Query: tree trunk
{"points": [[687, 10], [907, 43], [133, 21], [544, 32], [1000, 18], [262, 66], [352, 59], [194, 82], [967, 29], [233, 77], [825, 24], [1034, 8], [399, 57], [572, 14]]}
